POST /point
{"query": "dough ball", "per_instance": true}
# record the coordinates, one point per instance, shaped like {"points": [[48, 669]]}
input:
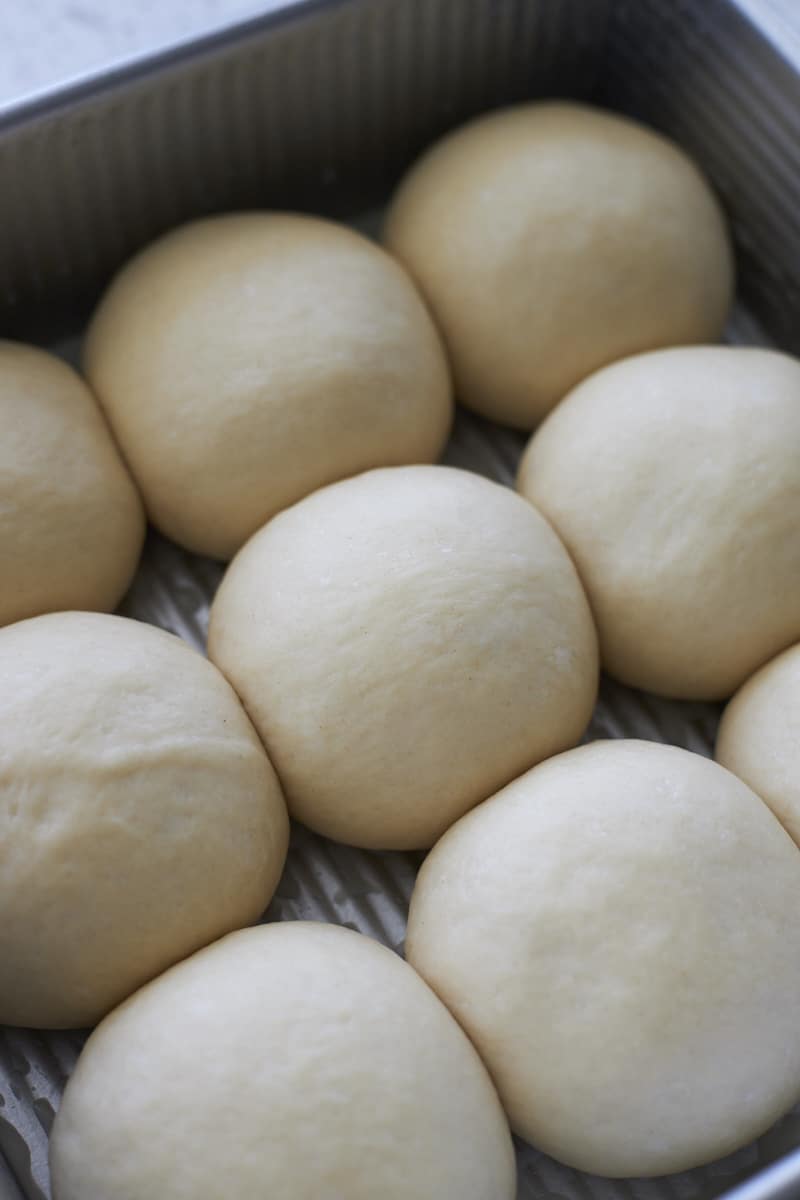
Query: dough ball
{"points": [[551, 239], [617, 933], [245, 360], [139, 815], [71, 522], [296, 1060], [405, 643], [759, 736], [674, 480]]}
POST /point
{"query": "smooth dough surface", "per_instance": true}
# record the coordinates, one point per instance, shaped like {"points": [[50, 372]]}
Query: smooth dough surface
{"points": [[405, 643], [71, 522], [245, 360], [550, 239], [295, 1060], [759, 736], [139, 815], [616, 931], [673, 479]]}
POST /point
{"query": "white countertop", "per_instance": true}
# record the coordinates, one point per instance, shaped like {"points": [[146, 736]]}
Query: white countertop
{"points": [[46, 42]]}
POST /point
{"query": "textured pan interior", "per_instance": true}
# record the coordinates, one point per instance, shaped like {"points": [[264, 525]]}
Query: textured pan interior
{"points": [[365, 890], [319, 106], [322, 108], [728, 89]]}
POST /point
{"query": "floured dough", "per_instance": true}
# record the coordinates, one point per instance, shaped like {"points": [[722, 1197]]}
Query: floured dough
{"points": [[139, 815], [405, 643], [295, 1061], [617, 933], [673, 479], [71, 522], [550, 239], [759, 736], [245, 360]]}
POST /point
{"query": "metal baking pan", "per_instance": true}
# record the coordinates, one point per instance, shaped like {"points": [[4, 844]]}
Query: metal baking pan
{"points": [[320, 105]]}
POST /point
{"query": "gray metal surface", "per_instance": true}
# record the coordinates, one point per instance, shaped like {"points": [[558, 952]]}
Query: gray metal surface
{"points": [[727, 87], [321, 106], [779, 1182], [317, 106]]}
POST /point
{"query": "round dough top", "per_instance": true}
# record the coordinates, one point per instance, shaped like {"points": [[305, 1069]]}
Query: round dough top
{"points": [[71, 522], [139, 815], [292, 1060], [405, 642], [759, 736], [673, 479], [616, 932], [574, 237], [247, 359]]}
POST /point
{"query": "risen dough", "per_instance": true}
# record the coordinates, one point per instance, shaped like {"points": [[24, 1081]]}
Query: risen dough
{"points": [[139, 815], [674, 480], [290, 1062], [759, 736], [551, 239], [617, 933], [405, 643], [245, 360], [71, 522]]}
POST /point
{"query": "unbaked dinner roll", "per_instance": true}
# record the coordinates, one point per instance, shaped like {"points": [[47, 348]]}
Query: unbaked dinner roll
{"points": [[71, 522], [674, 480], [405, 643], [139, 815], [759, 736], [550, 239], [245, 360], [297, 1061], [617, 933]]}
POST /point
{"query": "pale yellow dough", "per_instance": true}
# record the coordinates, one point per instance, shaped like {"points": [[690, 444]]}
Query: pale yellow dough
{"points": [[139, 815], [245, 360], [550, 239], [289, 1062], [617, 933], [759, 736], [71, 522], [405, 643], [674, 480]]}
